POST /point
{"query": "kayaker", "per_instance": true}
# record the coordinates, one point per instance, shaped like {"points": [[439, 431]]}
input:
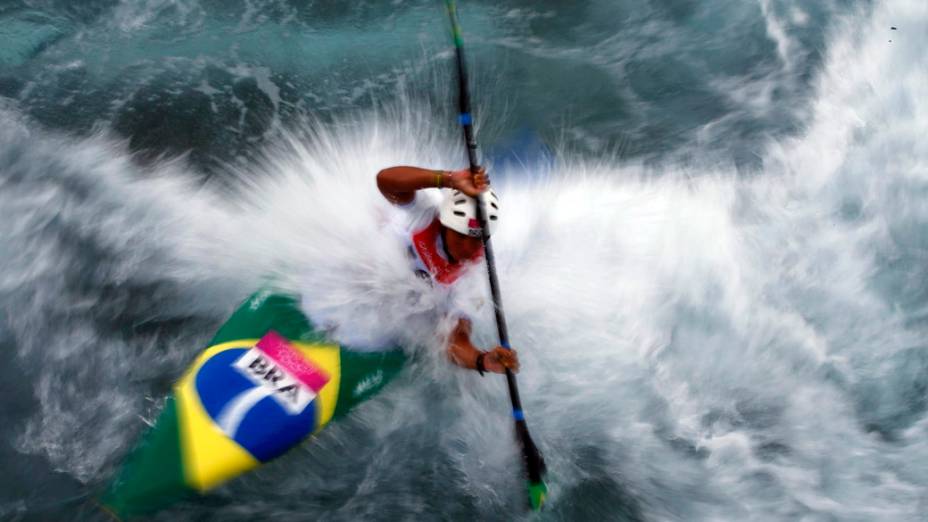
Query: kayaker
{"points": [[444, 239]]}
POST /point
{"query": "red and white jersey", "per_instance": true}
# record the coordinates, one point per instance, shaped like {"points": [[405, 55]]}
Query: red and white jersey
{"points": [[418, 227]]}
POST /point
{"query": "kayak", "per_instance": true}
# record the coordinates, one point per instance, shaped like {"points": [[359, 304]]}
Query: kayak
{"points": [[268, 380]]}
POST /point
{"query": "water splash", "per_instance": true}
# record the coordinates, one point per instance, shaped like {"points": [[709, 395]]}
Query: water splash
{"points": [[695, 345]]}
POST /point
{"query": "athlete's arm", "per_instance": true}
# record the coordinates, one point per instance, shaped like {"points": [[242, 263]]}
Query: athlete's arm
{"points": [[399, 184], [463, 352]]}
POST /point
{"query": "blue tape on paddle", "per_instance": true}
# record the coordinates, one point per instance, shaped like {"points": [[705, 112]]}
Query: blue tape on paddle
{"points": [[506, 346], [465, 119], [518, 415]]}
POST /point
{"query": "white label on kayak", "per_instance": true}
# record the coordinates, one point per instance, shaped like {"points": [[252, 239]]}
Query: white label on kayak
{"points": [[368, 383], [283, 387]]}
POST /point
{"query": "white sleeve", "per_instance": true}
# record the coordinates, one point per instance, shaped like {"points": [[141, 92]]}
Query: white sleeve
{"points": [[418, 213]]}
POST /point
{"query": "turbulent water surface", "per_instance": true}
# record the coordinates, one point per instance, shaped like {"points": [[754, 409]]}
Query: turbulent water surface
{"points": [[714, 251]]}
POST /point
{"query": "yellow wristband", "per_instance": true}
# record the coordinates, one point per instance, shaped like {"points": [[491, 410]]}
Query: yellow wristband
{"points": [[439, 175]]}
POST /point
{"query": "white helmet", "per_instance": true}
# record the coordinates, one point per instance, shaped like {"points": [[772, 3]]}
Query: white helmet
{"points": [[459, 212]]}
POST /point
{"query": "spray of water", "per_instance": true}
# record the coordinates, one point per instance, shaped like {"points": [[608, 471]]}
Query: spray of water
{"points": [[695, 345]]}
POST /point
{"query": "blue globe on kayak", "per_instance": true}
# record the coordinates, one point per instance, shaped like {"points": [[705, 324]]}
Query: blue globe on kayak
{"points": [[267, 430]]}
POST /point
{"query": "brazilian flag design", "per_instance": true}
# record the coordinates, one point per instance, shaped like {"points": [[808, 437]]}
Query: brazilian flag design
{"points": [[267, 381]]}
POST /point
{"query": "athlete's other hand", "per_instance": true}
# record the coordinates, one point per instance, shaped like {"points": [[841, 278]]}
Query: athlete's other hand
{"points": [[499, 358], [469, 183]]}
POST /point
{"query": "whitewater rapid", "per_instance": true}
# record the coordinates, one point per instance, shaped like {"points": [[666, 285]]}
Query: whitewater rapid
{"points": [[696, 343]]}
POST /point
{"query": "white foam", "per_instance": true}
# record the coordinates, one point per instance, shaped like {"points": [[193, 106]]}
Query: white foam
{"points": [[713, 340]]}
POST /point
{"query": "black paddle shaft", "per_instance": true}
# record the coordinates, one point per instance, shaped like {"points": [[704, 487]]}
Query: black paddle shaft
{"points": [[535, 465]]}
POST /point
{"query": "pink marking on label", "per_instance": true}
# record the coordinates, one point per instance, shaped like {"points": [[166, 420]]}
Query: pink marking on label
{"points": [[284, 354], [472, 223]]}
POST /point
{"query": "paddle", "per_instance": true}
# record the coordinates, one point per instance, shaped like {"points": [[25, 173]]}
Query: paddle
{"points": [[534, 463]]}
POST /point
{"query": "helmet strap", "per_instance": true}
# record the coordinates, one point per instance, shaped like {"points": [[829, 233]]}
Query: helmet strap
{"points": [[444, 244]]}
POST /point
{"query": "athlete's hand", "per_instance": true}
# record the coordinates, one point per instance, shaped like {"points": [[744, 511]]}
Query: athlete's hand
{"points": [[499, 358], [469, 183]]}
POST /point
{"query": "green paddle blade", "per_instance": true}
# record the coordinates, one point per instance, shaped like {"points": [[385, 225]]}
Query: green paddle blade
{"points": [[537, 493], [535, 468]]}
